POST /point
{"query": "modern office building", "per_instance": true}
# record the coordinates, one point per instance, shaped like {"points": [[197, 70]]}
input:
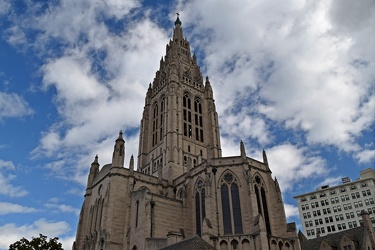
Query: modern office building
{"points": [[334, 209], [359, 238]]}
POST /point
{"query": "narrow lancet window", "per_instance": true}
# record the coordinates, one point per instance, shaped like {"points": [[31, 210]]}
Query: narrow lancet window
{"points": [[231, 205], [200, 207]]}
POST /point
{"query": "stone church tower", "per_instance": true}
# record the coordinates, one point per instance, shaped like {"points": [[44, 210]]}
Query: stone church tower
{"points": [[182, 187]]}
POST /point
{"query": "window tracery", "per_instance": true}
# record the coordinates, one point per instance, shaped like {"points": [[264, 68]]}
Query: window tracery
{"points": [[200, 205], [155, 124], [261, 197], [230, 204]]}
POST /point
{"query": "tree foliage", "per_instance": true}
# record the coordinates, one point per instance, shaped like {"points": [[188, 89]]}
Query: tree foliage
{"points": [[37, 243]]}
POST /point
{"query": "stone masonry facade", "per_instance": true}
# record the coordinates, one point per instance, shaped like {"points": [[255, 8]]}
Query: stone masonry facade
{"points": [[182, 186]]}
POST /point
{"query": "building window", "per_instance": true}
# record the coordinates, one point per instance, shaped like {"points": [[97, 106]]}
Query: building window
{"points": [[136, 214], [155, 125], [262, 203], [186, 102], [200, 207], [101, 244], [161, 124], [198, 116], [231, 205]]}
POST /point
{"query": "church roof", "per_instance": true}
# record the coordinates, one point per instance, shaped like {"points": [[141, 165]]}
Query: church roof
{"points": [[356, 234], [193, 243]]}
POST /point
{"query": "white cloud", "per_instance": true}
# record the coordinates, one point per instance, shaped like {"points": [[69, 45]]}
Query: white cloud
{"points": [[70, 20], [13, 105], [300, 66], [310, 74], [10, 233], [16, 36], [10, 208], [67, 242], [291, 211], [365, 156], [331, 181], [290, 165], [4, 6], [95, 97], [7, 188], [54, 205]]}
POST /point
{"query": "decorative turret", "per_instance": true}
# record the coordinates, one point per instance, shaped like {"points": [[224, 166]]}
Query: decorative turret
{"points": [[119, 152], [94, 170]]}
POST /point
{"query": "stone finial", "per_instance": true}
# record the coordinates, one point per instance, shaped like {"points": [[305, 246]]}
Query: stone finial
{"points": [[277, 185], [94, 170], [120, 135], [118, 152], [131, 164], [242, 149], [265, 161], [177, 22], [96, 160]]}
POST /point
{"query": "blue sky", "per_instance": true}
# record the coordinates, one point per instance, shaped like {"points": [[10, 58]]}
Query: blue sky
{"points": [[295, 78]]}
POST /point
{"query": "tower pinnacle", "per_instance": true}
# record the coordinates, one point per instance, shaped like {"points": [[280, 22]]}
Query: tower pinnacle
{"points": [[177, 32], [177, 20], [118, 152], [94, 170]]}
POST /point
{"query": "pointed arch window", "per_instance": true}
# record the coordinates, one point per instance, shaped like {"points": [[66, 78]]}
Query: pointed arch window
{"points": [[200, 207], [198, 118], [186, 102], [136, 213], [155, 125], [231, 205], [101, 244], [261, 196], [161, 125]]}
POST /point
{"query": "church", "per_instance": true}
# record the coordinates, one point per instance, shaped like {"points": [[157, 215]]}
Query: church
{"points": [[182, 191]]}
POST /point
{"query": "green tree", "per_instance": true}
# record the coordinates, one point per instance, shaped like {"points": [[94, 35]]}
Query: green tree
{"points": [[37, 243]]}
